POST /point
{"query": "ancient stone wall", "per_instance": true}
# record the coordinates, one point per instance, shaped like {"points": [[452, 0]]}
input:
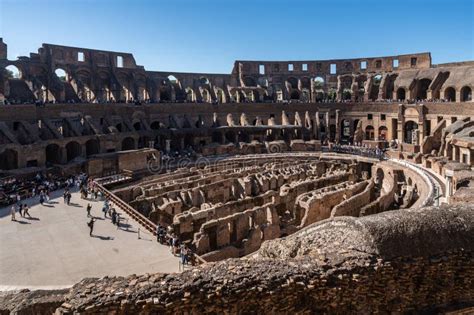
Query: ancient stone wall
{"points": [[418, 261]]}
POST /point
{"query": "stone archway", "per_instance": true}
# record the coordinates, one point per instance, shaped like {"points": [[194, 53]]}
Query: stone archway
{"points": [[73, 150], [92, 147], [53, 154]]}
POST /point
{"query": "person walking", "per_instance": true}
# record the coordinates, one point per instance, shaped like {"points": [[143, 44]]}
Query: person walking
{"points": [[25, 210], [89, 207], [20, 209], [41, 198], [68, 198], [90, 224], [12, 212]]}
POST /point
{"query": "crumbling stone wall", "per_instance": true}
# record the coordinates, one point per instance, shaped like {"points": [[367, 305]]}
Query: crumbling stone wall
{"points": [[407, 261]]}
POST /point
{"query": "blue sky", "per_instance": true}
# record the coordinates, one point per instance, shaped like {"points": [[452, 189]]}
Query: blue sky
{"points": [[208, 35]]}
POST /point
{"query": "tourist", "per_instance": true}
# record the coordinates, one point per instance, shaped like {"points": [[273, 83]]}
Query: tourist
{"points": [[89, 207], [12, 212], [114, 216], [68, 198], [90, 224], [65, 195], [25, 210], [41, 198], [183, 254]]}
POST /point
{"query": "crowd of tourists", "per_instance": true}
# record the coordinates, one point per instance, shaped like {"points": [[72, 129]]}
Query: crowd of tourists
{"points": [[13, 189], [177, 248]]}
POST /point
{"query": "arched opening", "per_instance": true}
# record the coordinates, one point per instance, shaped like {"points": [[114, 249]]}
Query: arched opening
{"points": [[220, 96], [119, 127], [345, 129], [423, 86], [346, 94], [137, 126], [263, 82], [295, 95], [374, 91], [383, 133], [332, 132], [190, 97], [128, 144], [73, 150], [318, 83], [466, 94], [401, 94], [411, 133], [206, 96], [155, 125], [293, 82], [9, 159], [172, 79], [165, 93], [249, 81], [12, 72], [319, 96], [53, 154], [92, 147], [332, 93], [256, 96], [369, 133], [204, 80], [61, 74], [450, 94]]}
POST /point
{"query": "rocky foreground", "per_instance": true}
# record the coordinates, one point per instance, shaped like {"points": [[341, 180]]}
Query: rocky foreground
{"points": [[405, 261]]}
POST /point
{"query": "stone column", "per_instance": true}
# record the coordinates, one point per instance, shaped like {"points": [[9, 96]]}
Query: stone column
{"points": [[338, 126]]}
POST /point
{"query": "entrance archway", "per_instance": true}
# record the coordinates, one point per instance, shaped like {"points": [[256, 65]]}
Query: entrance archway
{"points": [[450, 94], [92, 147], [73, 150], [53, 154], [466, 94], [401, 94], [411, 133]]}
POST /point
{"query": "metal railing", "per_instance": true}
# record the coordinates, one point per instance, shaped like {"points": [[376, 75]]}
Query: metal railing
{"points": [[138, 217]]}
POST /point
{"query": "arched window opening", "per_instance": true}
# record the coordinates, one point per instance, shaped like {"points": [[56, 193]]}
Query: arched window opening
{"points": [[92, 147], [12, 72], [61, 74], [466, 94], [401, 94], [450, 94], [423, 86], [73, 150]]}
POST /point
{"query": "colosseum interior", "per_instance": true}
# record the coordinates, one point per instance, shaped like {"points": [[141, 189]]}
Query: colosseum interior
{"points": [[318, 186]]}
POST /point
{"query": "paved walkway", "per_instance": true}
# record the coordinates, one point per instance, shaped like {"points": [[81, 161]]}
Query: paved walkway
{"points": [[53, 249]]}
